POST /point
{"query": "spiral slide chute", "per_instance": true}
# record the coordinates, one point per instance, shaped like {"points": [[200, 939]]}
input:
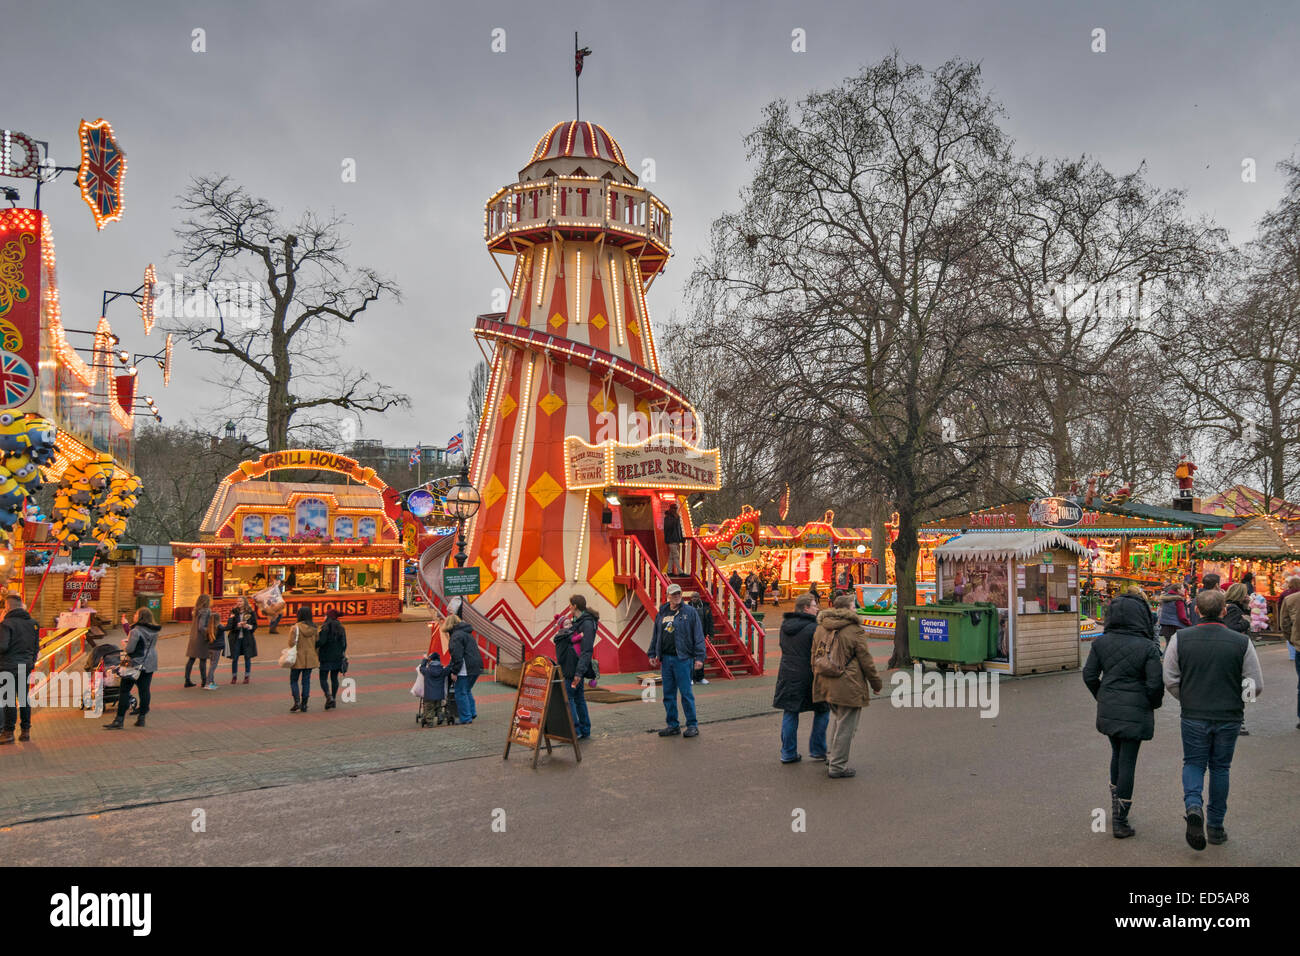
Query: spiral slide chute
{"points": [[510, 649]]}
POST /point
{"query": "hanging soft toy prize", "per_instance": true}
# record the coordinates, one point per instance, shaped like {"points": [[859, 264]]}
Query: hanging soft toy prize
{"points": [[26, 442]]}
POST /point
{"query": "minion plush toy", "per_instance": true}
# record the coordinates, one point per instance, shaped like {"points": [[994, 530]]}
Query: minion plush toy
{"points": [[14, 439], [40, 436]]}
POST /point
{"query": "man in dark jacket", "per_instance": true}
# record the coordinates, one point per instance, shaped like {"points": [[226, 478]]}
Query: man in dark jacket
{"points": [[574, 646], [674, 538], [737, 584], [1210, 669], [677, 647], [19, 643], [1209, 582], [466, 664], [1123, 674], [794, 681]]}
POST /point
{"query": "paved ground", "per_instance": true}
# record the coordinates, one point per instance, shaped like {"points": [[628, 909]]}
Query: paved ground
{"points": [[934, 786]]}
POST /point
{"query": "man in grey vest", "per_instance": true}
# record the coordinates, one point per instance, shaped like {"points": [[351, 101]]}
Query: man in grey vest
{"points": [[1212, 670]]}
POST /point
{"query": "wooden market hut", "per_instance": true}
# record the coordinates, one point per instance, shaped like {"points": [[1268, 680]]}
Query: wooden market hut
{"points": [[1033, 579], [1267, 546]]}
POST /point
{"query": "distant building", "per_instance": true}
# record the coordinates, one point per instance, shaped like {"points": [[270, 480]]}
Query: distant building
{"points": [[371, 451]]}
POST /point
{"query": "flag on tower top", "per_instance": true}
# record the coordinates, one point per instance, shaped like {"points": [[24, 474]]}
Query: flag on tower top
{"points": [[578, 57], [416, 454], [456, 444]]}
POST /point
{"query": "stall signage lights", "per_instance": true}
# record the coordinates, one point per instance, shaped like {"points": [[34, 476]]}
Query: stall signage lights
{"points": [[1056, 513], [19, 158], [662, 461]]}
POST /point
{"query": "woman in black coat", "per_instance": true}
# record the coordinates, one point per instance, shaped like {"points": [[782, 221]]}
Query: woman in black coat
{"points": [[1124, 675], [331, 648], [241, 638], [794, 680]]}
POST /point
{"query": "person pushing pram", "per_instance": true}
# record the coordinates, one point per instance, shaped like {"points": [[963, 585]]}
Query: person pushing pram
{"points": [[437, 706]]}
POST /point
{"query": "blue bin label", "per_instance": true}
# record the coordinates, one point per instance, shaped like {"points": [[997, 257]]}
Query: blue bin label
{"points": [[934, 629]]}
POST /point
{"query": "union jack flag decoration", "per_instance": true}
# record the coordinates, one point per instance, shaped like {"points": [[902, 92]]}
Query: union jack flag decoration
{"points": [[456, 444], [103, 166], [416, 454], [16, 380], [578, 57]]}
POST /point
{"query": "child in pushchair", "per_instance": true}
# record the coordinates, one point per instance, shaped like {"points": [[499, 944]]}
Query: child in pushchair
{"points": [[437, 705], [105, 683]]}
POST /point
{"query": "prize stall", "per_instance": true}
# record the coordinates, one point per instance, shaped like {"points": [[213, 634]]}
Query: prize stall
{"points": [[1031, 580], [334, 546], [1268, 547]]}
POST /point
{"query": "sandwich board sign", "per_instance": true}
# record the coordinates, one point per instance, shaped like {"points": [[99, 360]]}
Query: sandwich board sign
{"points": [[541, 711]]}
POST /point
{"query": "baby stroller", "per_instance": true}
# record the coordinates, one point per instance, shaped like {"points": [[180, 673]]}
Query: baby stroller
{"points": [[105, 683], [435, 712]]}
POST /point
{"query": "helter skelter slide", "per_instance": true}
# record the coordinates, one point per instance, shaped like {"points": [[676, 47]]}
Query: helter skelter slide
{"points": [[582, 445]]}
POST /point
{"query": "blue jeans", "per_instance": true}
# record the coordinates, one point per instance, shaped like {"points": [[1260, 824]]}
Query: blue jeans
{"points": [[790, 734], [676, 672], [578, 708], [1208, 744], [300, 675], [464, 699]]}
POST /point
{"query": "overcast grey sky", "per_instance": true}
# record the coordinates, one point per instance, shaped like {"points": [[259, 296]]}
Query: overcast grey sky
{"points": [[436, 122]]}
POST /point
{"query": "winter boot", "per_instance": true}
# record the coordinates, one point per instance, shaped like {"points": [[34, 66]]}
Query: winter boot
{"points": [[25, 735], [115, 724], [296, 706], [1119, 827], [139, 721]]}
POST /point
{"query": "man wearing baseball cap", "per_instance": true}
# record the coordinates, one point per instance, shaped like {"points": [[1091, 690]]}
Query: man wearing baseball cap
{"points": [[677, 648]]}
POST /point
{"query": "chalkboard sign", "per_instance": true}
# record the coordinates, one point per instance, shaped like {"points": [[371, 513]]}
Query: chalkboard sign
{"points": [[541, 711]]}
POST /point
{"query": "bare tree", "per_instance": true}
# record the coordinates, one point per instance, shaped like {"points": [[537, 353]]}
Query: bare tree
{"points": [[478, 386], [276, 300], [180, 467], [1092, 260], [858, 288]]}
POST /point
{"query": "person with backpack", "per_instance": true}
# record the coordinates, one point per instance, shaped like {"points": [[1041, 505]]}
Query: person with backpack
{"points": [[575, 643], [842, 671], [706, 621], [1123, 674], [794, 682], [1173, 611], [1210, 669]]}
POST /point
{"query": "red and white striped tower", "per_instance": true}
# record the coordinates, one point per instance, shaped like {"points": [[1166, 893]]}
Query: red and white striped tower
{"points": [[575, 396]]}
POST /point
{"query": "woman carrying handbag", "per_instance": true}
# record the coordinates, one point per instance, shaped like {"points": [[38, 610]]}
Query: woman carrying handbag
{"points": [[301, 659]]}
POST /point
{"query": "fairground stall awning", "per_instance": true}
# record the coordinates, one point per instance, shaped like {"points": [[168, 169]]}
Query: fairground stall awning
{"points": [[1004, 545], [1261, 539]]}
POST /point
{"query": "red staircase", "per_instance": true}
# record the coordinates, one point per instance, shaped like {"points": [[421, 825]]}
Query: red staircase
{"points": [[736, 649]]}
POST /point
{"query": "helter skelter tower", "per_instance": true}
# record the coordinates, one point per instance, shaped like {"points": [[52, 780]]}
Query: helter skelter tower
{"points": [[577, 414]]}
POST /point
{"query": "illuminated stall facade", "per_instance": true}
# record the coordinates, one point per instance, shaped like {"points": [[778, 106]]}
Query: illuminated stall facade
{"points": [[336, 546]]}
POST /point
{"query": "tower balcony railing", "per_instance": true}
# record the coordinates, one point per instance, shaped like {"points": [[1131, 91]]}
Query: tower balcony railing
{"points": [[582, 203]]}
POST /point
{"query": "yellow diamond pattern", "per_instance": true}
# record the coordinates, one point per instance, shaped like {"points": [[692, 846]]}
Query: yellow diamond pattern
{"points": [[551, 403], [603, 581], [634, 329], [485, 575], [493, 492], [508, 405], [557, 320], [598, 321], [545, 489], [602, 403], [539, 581]]}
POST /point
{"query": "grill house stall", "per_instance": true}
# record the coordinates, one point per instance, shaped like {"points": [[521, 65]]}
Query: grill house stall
{"points": [[1032, 579], [334, 546]]}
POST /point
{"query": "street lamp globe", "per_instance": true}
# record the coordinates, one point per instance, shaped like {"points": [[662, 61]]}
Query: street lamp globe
{"points": [[463, 499]]}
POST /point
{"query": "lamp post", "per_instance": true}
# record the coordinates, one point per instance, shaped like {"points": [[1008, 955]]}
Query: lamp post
{"points": [[462, 504]]}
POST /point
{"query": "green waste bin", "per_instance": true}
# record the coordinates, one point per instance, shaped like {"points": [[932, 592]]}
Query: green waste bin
{"points": [[952, 632]]}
